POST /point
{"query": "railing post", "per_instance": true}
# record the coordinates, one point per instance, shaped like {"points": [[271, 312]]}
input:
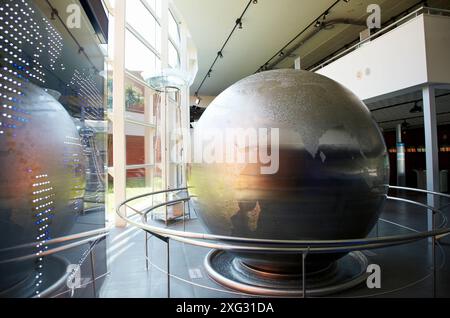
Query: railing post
{"points": [[168, 267], [434, 256], [146, 246], [189, 208], [184, 216], [304, 255], [91, 253]]}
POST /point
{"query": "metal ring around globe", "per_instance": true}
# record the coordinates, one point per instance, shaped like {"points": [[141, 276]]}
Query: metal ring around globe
{"points": [[285, 246]]}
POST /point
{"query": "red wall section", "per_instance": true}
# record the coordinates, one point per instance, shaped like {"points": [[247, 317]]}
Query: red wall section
{"points": [[134, 153]]}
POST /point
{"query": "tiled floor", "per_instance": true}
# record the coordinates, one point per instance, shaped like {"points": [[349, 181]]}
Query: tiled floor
{"points": [[405, 269]]}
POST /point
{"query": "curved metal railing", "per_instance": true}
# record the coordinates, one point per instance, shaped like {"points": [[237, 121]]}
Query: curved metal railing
{"points": [[92, 236], [269, 245], [89, 237], [304, 247]]}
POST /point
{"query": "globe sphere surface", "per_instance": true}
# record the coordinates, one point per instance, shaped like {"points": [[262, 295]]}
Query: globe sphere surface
{"points": [[333, 170], [42, 181]]}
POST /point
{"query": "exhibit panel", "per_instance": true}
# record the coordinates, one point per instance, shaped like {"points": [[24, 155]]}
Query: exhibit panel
{"points": [[52, 142]]}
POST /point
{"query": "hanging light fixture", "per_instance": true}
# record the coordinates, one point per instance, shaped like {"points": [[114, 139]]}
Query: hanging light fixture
{"points": [[197, 99], [239, 23], [405, 125], [416, 109]]}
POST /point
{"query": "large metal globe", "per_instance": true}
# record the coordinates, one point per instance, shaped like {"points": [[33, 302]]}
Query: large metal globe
{"points": [[333, 166], [42, 182]]}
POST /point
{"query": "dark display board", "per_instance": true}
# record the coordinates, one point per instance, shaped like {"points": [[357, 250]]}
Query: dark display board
{"points": [[414, 140]]}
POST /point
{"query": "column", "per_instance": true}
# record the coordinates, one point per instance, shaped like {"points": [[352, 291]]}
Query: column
{"points": [[184, 103], [148, 136], [401, 178], [164, 34], [298, 63], [165, 167], [119, 157], [431, 144]]}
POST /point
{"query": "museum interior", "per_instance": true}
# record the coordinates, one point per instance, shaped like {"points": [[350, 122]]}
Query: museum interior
{"points": [[224, 149]]}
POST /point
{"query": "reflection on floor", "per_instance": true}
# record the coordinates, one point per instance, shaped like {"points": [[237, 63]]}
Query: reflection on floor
{"points": [[406, 270]]}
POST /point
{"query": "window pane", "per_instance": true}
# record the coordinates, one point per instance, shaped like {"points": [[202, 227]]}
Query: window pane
{"points": [[139, 141], [158, 64], [139, 181], [158, 38], [174, 59], [134, 96], [142, 21], [156, 6], [135, 145], [139, 59], [174, 33]]}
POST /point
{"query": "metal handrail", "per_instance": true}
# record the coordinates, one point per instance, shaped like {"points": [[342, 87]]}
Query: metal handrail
{"points": [[308, 248], [377, 34], [58, 239], [285, 246], [289, 246], [420, 190], [104, 232], [99, 235]]}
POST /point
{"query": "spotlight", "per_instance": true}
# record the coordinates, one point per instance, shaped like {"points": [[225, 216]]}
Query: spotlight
{"points": [[416, 109], [255, 1], [405, 125], [281, 54], [220, 54], [209, 73], [239, 23], [198, 101], [318, 24], [54, 13]]}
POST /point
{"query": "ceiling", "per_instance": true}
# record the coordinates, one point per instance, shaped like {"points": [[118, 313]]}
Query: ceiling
{"points": [[393, 111], [267, 27]]}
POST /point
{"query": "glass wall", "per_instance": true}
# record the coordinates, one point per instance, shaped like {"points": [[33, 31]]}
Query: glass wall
{"points": [[153, 43], [174, 42]]}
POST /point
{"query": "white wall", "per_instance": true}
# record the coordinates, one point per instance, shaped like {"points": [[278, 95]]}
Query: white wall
{"points": [[437, 37], [400, 59]]}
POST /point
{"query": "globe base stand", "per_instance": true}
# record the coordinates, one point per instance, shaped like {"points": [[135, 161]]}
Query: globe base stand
{"points": [[229, 271]]}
